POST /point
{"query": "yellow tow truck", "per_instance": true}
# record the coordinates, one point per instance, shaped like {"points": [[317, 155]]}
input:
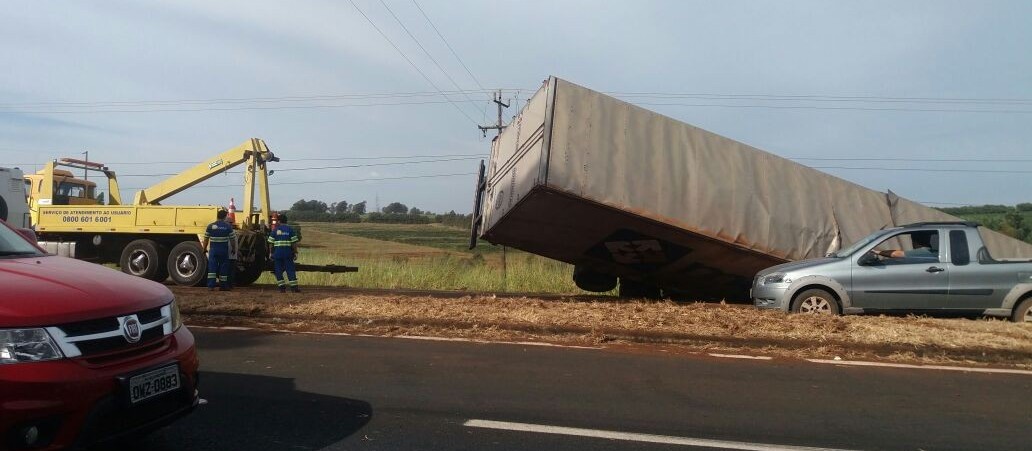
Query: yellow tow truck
{"points": [[148, 239]]}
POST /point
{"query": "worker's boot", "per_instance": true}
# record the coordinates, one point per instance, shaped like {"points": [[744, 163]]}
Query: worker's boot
{"points": [[282, 289], [295, 289]]}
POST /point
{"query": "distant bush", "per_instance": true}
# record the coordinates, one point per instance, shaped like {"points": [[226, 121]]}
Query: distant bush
{"points": [[395, 218], [312, 216], [977, 210]]}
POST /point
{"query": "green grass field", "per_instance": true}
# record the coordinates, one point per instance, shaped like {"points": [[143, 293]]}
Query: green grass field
{"points": [[423, 256]]}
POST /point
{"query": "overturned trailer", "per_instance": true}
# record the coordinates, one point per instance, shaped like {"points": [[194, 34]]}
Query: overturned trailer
{"points": [[626, 194]]}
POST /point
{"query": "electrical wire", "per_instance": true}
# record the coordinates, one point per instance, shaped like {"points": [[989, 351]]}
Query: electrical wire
{"points": [[456, 55], [428, 80], [338, 180], [425, 51], [367, 165]]}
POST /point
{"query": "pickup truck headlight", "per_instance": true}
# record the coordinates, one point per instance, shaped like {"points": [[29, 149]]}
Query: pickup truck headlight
{"points": [[27, 345], [177, 319], [776, 278]]}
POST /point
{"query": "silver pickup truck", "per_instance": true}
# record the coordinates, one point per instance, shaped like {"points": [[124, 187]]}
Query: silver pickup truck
{"points": [[928, 267]]}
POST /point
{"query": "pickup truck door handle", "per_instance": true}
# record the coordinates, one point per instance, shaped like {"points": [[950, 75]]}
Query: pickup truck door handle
{"points": [[934, 269]]}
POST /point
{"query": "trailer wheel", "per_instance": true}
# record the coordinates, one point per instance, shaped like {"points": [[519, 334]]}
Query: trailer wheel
{"points": [[142, 258], [638, 290], [187, 264]]}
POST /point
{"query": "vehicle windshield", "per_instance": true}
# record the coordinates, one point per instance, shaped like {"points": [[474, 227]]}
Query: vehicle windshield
{"points": [[13, 244], [859, 244]]}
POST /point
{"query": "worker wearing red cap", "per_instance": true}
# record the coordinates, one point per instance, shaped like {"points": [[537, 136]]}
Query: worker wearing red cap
{"points": [[283, 251]]}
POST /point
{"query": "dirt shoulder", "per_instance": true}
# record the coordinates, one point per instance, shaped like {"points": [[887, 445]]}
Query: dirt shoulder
{"points": [[701, 327]]}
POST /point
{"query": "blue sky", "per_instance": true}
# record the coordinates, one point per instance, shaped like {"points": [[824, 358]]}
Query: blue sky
{"points": [[62, 52]]}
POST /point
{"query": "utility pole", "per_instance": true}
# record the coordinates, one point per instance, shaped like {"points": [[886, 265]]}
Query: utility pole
{"points": [[85, 172], [499, 126]]}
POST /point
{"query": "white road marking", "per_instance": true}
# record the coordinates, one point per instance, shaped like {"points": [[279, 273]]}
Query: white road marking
{"points": [[634, 437], [739, 356], [922, 367]]}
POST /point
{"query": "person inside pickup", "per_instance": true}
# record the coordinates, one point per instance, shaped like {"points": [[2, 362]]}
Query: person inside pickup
{"points": [[924, 248]]}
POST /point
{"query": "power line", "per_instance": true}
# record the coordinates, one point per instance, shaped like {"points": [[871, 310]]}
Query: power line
{"points": [[427, 53], [456, 55], [367, 165], [428, 80], [810, 107], [358, 96], [385, 157], [239, 108], [339, 180], [377, 164], [966, 171], [945, 160], [819, 98]]}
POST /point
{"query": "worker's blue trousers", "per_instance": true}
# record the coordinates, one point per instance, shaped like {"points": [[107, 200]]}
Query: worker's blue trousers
{"points": [[218, 270], [281, 265]]}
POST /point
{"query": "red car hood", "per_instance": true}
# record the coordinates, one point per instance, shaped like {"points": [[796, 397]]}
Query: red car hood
{"points": [[46, 291]]}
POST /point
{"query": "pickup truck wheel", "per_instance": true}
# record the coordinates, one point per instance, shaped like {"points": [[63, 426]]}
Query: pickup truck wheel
{"points": [[1023, 312], [815, 301], [187, 264], [142, 258]]}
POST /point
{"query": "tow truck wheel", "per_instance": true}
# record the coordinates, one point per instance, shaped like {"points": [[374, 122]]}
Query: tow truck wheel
{"points": [[248, 275], [187, 264], [816, 302], [1023, 312], [142, 258]]}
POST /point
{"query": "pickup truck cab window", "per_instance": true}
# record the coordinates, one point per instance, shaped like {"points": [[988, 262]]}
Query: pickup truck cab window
{"points": [[903, 271], [909, 248]]}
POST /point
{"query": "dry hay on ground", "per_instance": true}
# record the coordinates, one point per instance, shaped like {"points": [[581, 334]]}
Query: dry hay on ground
{"points": [[698, 326]]}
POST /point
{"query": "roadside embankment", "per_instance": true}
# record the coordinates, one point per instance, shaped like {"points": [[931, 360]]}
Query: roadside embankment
{"points": [[703, 327]]}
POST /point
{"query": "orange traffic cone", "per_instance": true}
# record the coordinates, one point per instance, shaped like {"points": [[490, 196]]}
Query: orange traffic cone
{"points": [[231, 214]]}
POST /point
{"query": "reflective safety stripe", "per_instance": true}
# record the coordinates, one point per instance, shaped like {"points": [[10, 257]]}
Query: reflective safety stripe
{"points": [[292, 283], [219, 239], [280, 283]]}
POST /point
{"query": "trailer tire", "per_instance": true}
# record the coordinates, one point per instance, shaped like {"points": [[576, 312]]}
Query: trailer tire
{"points": [[187, 264], [634, 289], [594, 281], [142, 258]]}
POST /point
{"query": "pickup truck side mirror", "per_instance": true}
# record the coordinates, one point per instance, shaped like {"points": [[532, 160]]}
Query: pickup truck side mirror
{"points": [[868, 259]]}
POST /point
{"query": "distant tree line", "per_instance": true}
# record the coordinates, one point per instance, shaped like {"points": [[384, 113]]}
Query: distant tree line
{"points": [[1010, 221], [986, 209], [393, 213]]}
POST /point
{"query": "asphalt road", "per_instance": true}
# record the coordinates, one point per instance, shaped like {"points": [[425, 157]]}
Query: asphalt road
{"points": [[274, 391]]}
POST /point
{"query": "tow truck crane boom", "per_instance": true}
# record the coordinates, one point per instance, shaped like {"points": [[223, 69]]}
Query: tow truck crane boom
{"points": [[253, 151]]}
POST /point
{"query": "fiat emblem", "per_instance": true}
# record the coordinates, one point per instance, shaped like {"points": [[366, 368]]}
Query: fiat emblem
{"points": [[131, 329]]}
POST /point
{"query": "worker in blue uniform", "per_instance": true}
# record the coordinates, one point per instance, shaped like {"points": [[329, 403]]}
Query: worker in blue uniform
{"points": [[219, 237], [283, 251]]}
